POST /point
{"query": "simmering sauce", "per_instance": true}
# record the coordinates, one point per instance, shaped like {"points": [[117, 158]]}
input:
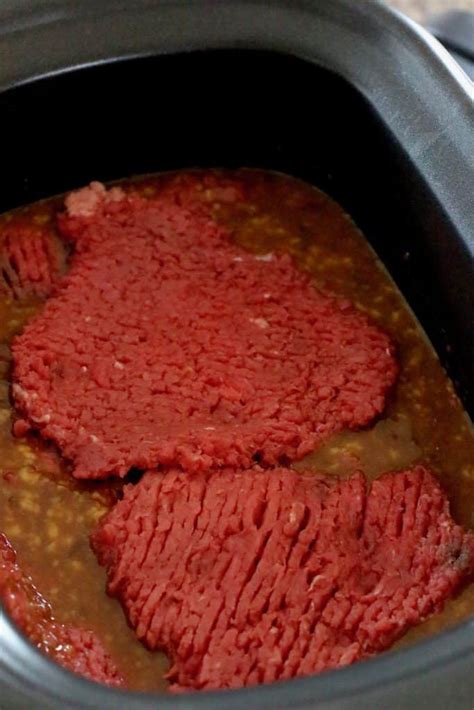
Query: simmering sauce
{"points": [[48, 516]]}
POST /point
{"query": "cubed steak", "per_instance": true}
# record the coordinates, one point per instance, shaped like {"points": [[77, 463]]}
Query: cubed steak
{"points": [[31, 261], [168, 344], [74, 648], [244, 579]]}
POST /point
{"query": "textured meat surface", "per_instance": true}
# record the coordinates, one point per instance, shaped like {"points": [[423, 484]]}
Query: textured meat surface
{"points": [[252, 578], [30, 262], [76, 649], [168, 344]]}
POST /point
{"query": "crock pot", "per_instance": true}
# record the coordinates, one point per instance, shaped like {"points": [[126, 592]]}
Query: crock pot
{"points": [[351, 97]]}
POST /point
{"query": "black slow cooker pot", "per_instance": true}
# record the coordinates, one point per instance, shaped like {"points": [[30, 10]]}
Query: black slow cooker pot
{"points": [[347, 95]]}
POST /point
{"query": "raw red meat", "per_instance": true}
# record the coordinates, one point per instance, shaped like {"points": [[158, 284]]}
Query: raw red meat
{"points": [[76, 649], [244, 579], [30, 261], [168, 344]]}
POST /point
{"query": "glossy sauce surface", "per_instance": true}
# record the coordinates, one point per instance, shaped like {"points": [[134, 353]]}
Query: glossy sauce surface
{"points": [[48, 516]]}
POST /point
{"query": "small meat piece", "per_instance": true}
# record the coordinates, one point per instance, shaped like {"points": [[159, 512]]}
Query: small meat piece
{"points": [[168, 344], [244, 579], [31, 261], [76, 649]]}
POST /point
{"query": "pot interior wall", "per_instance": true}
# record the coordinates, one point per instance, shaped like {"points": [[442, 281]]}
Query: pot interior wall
{"points": [[248, 108]]}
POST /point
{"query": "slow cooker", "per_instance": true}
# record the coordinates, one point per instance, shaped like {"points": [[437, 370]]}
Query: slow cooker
{"points": [[351, 97]]}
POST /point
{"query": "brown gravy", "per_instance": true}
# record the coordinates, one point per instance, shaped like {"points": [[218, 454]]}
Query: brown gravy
{"points": [[48, 516]]}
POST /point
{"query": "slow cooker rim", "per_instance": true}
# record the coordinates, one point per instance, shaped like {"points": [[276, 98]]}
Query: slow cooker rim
{"points": [[65, 12]]}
